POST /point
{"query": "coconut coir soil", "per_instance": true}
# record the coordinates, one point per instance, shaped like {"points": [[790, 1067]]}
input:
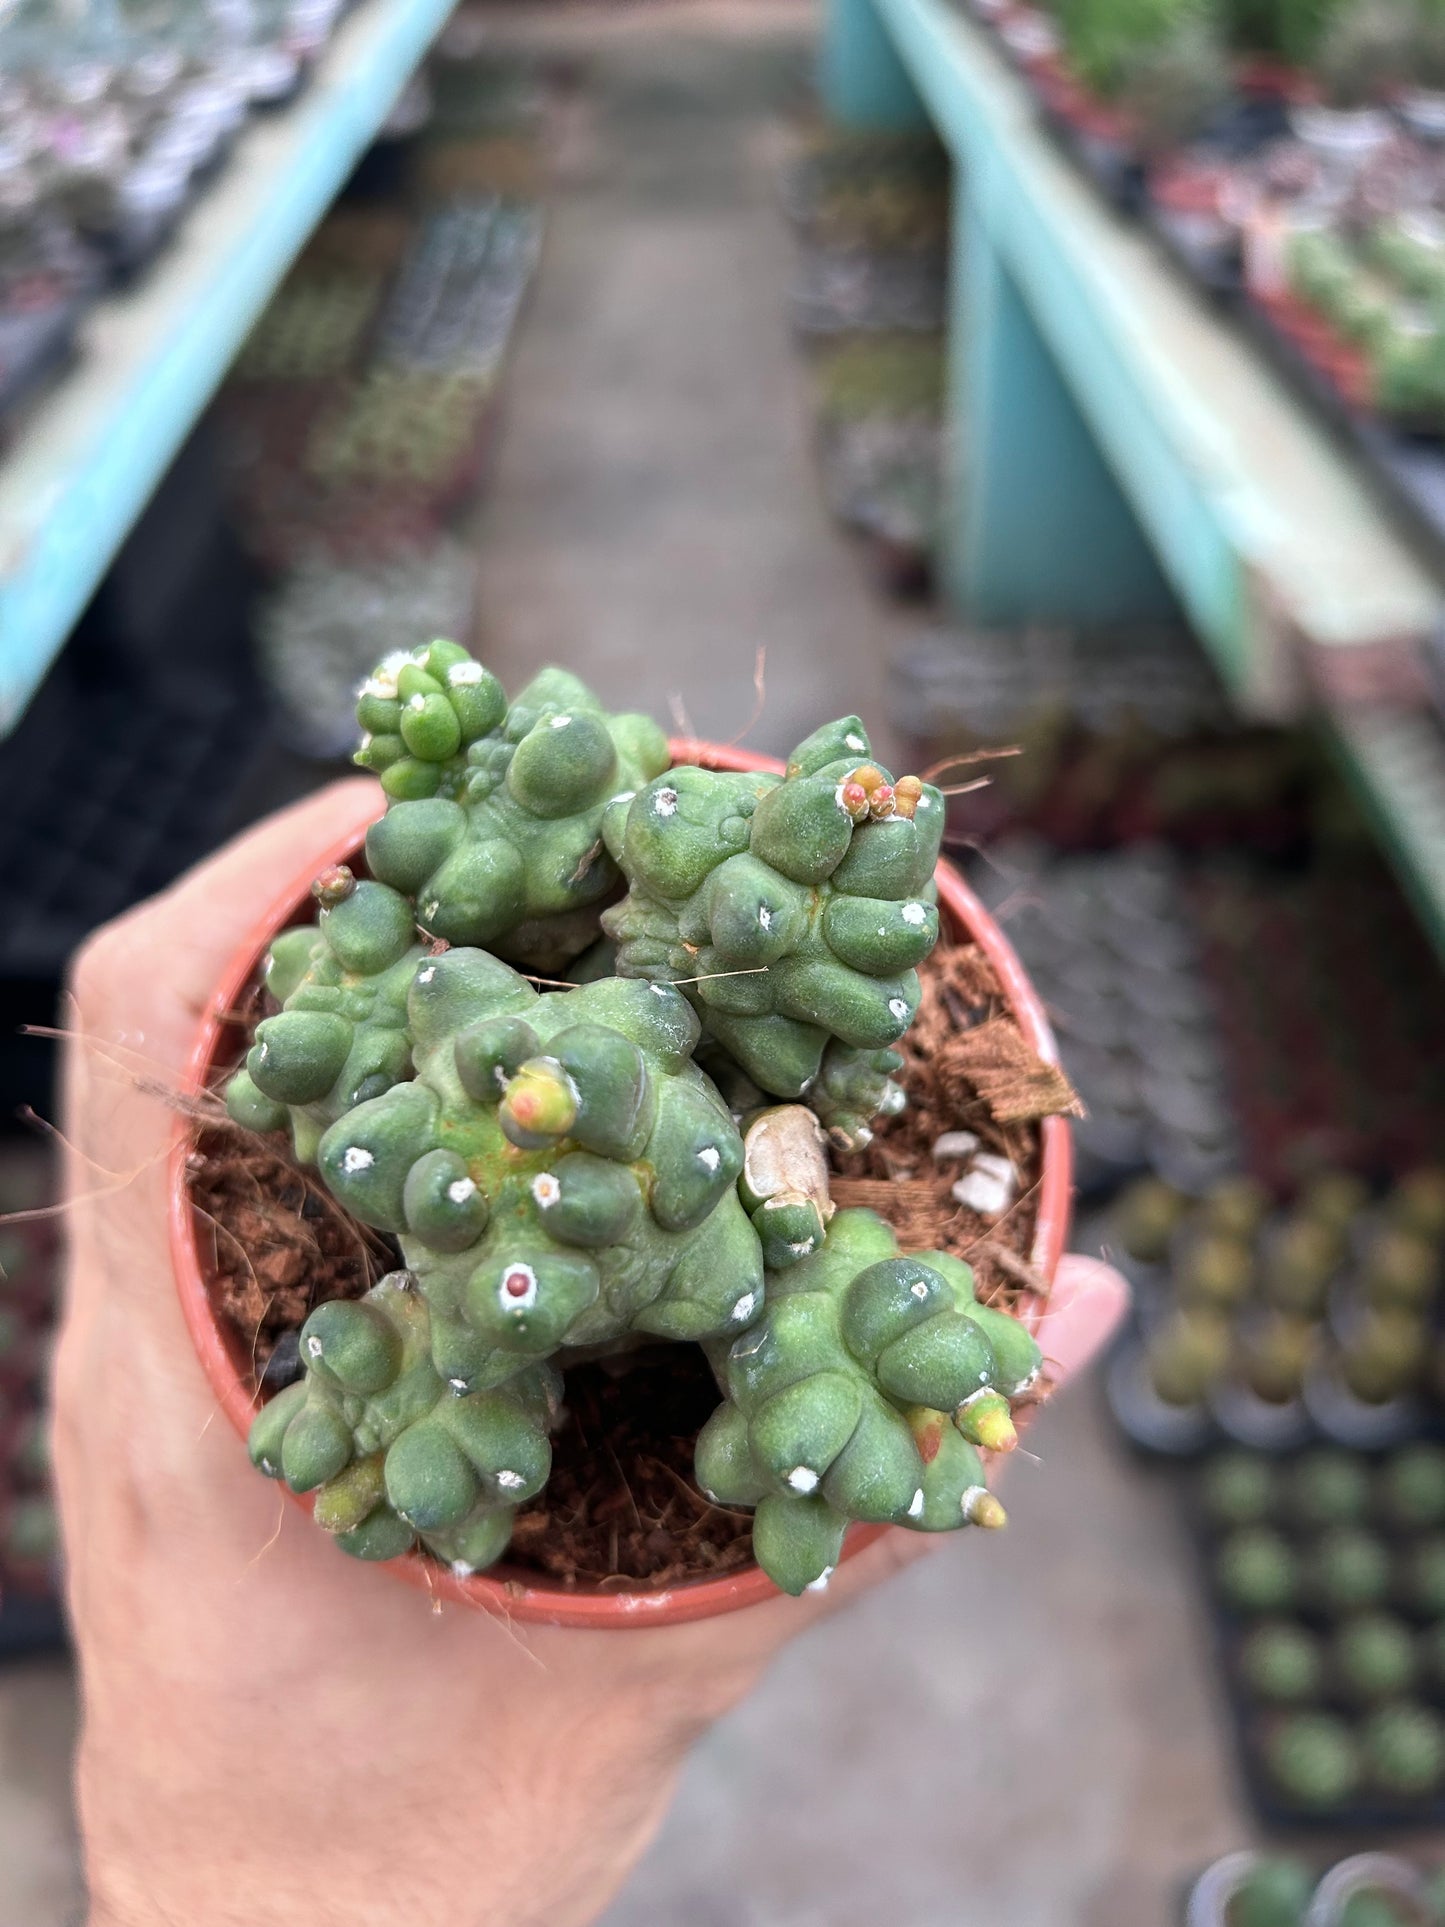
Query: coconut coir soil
{"points": [[622, 1507]]}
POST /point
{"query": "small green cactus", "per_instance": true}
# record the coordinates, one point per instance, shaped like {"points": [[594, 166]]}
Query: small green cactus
{"points": [[558, 1172], [340, 1037], [1414, 1485], [1330, 1487], [1257, 1571], [1300, 1263], [1281, 1662], [392, 1452], [1274, 1893], [1423, 1578], [1239, 1489], [496, 810], [1187, 1354], [1313, 1759], [864, 1392], [1349, 1570], [1417, 1203], [1374, 1657], [1146, 1216], [794, 912], [1404, 1750]]}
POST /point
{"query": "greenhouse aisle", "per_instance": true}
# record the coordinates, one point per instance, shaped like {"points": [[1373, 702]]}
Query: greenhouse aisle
{"points": [[652, 522]]}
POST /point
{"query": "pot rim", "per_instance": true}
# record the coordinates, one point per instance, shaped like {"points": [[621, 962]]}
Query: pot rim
{"points": [[511, 1596]]}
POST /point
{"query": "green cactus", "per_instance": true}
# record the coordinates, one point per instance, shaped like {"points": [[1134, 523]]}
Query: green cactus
{"points": [[1313, 1758], [1404, 1749], [864, 1392], [562, 1177], [340, 1037], [1274, 1893], [496, 810], [1281, 1662], [1256, 1571], [1239, 1488], [1330, 1487], [558, 1172], [1146, 1216], [1414, 1485], [1374, 1657], [1349, 1570], [792, 910], [393, 1454]]}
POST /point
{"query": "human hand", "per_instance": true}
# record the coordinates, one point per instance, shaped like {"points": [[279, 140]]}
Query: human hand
{"points": [[271, 1730]]}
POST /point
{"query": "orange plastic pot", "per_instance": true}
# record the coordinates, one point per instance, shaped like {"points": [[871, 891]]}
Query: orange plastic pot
{"points": [[225, 1358]]}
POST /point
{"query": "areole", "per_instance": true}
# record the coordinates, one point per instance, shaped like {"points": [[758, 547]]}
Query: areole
{"points": [[510, 1594]]}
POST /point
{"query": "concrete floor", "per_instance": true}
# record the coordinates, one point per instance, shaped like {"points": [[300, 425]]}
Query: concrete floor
{"points": [[652, 522]]}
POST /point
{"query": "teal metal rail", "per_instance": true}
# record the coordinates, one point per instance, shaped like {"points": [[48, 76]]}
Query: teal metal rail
{"points": [[89, 458]]}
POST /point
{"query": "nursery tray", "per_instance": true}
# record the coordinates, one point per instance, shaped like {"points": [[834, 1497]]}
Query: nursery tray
{"points": [[1366, 1811]]}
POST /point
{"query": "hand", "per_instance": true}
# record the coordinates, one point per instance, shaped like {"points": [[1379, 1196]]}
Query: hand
{"points": [[271, 1730]]}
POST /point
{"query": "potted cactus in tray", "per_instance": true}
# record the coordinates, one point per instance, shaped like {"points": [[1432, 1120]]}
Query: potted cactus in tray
{"points": [[594, 1048]]}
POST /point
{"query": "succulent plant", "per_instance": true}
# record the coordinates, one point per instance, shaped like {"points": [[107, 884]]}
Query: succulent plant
{"points": [[1313, 1758], [1417, 1203], [1332, 1198], [1401, 1269], [1273, 1893], [1235, 1207], [340, 1036], [1105, 38], [1281, 1662], [31, 1535], [392, 1452], [558, 1172], [863, 1392], [1424, 1575], [1381, 1907], [1413, 1482], [1404, 1749], [793, 911], [1238, 1488], [1257, 1571], [1215, 1268], [1187, 1354], [1273, 1354], [1299, 1263], [1373, 1657], [1330, 1487], [1385, 1357], [1174, 86], [570, 1171], [496, 809], [1146, 1216], [1349, 1570]]}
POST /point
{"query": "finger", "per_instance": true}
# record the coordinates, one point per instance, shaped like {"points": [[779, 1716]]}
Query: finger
{"points": [[220, 901], [1088, 1300]]}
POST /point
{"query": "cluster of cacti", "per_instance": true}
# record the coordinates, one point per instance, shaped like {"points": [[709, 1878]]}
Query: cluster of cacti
{"points": [[561, 1175], [1252, 1290], [1335, 1565], [792, 910]]}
